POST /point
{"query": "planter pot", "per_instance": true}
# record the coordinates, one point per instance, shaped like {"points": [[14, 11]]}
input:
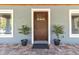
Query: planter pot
{"points": [[24, 42], [56, 41]]}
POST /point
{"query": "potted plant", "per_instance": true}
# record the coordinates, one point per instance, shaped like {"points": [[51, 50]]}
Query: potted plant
{"points": [[25, 30], [57, 29]]}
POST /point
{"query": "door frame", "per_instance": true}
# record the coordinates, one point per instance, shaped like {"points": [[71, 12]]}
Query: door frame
{"points": [[39, 9]]}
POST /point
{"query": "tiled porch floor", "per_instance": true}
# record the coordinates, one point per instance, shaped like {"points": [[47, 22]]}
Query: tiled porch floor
{"points": [[27, 50]]}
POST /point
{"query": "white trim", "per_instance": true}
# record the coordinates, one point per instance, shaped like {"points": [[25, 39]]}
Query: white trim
{"points": [[41, 10], [7, 11], [72, 11], [49, 26], [32, 28]]}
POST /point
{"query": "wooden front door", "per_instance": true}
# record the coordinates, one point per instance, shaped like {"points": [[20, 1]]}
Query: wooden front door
{"points": [[40, 26]]}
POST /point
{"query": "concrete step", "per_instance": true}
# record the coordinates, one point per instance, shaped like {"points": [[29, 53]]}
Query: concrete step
{"points": [[40, 42]]}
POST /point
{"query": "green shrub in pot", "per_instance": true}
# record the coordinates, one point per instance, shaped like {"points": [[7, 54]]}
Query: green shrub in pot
{"points": [[25, 30], [57, 29]]}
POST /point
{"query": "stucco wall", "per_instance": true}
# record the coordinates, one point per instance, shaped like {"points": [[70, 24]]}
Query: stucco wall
{"points": [[22, 15], [60, 15]]}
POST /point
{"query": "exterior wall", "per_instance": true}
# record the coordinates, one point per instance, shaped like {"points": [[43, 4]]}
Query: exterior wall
{"points": [[22, 15]]}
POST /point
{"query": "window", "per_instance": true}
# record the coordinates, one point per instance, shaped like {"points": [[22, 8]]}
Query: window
{"points": [[6, 23], [74, 23]]}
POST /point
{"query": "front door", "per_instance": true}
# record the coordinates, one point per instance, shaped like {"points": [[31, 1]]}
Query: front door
{"points": [[40, 23], [40, 26]]}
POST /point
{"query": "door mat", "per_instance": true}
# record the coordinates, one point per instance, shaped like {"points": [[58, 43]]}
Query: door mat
{"points": [[40, 46]]}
